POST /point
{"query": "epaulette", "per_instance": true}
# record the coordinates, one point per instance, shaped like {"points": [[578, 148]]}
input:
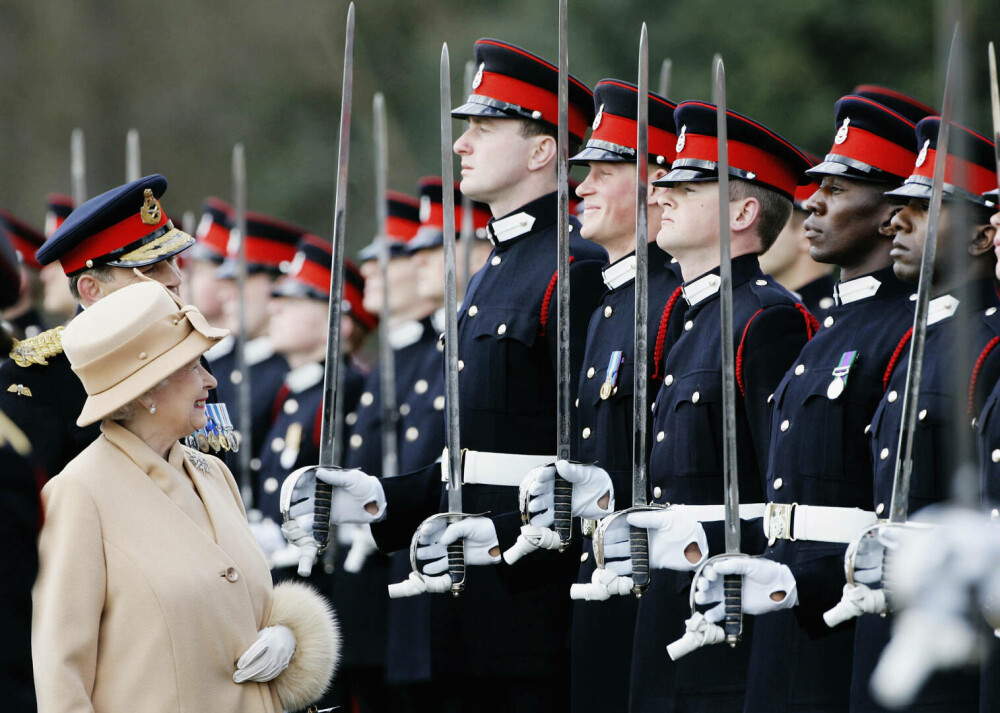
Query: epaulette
{"points": [[9, 433], [38, 349]]}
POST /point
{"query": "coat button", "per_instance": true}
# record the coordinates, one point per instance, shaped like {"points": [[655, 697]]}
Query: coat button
{"points": [[577, 402], [884, 454], [461, 364], [800, 370], [367, 399], [590, 372], [785, 425], [495, 261], [290, 407], [828, 322], [142, 355], [502, 329], [278, 444], [473, 311], [657, 491], [994, 514], [668, 379], [351, 418], [868, 428], [421, 386], [404, 409], [892, 396], [608, 311], [235, 376], [688, 325], [356, 441], [231, 574], [695, 397], [778, 482], [271, 485], [995, 455], [991, 311], [770, 398], [922, 415], [584, 556], [439, 403], [586, 432], [660, 436], [412, 434], [880, 509], [761, 283]]}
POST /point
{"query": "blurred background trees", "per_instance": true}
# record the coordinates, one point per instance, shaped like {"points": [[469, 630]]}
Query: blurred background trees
{"points": [[194, 77]]}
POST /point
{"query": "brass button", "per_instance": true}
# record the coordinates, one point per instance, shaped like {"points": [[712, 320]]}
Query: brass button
{"points": [[800, 370], [778, 482], [884, 454], [991, 311], [770, 398], [291, 406], [995, 455], [868, 428], [586, 432], [351, 418], [590, 372], [893, 396], [412, 433], [922, 415], [660, 436], [473, 311], [761, 283], [278, 444], [695, 397], [461, 364], [880, 509], [367, 399], [584, 556], [495, 261], [688, 325], [356, 441], [502, 329], [421, 386], [657, 491], [668, 379], [404, 409], [231, 574], [271, 485], [439, 403], [828, 322], [235, 376], [608, 311], [785, 425]]}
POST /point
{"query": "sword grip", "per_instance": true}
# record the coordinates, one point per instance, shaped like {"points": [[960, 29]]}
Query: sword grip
{"points": [[321, 521], [638, 538], [456, 566], [732, 588], [563, 511]]}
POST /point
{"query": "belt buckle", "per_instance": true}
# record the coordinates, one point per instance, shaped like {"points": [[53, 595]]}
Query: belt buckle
{"points": [[778, 522]]}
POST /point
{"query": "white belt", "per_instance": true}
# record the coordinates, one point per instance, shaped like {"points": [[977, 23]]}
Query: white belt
{"points": [[815, 523], [711, 513], [484, 468]]}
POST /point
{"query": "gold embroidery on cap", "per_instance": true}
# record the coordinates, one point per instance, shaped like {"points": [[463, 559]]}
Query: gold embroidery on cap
{"points": [[150, 211], [166, 244]]}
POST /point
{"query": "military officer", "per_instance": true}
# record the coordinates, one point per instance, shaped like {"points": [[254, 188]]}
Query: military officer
{"points": [[23, 315], [819, 456], [969, 287], [605, 396], [202, 287], [100, 246], [769, 329]]}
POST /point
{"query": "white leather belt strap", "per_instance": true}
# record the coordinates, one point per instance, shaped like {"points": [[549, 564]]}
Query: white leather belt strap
{"points": [[484, 468], [814, 523], [711, 513]]}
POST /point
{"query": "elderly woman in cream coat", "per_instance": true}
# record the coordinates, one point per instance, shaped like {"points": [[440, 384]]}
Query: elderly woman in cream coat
{"points": [[152, 594]]}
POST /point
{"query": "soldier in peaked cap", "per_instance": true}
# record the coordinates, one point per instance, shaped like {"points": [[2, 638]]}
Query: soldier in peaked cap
{"points": [[23, 316], [508, 346], [605, 395], [769, 329], [819, 457], [201, 282], [100, 246], [968, 288], [57, 301]]}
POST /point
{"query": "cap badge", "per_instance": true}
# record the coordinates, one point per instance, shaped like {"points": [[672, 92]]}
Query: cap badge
{"points": [[922, 156], [597, 119], [233, 245], [478, 79], [150, 211], [298, 262], [841, 136], [425, 208], [681, 139]]}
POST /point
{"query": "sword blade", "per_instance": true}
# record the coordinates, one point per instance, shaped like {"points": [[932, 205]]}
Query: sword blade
{"points": [[665, 75], [563, 505], [78, 167], [332, 392], [132, 162], [243, 389], [386, 358], [995, 105], [639, 537], [456, 551], [899, 506]]}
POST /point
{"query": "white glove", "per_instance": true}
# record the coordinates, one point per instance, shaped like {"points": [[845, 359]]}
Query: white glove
{"points": [[357, 497], [603, 585], [698, 632], [362, 546], [590, 485], [267, 656], [761, 579], [856, 600], [531, 539], [417, 583], [671, 531], [268, 535], [433, 538], [297, 534]]}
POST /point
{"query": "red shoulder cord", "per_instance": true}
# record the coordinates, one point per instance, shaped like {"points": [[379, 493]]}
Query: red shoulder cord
{"points": [[975, 372], [812, 326], [279, 401], [548, 300], [661, 332], [894, 359]]}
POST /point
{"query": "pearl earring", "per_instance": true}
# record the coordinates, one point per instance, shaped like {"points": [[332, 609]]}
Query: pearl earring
{"points": [[152, 409]]}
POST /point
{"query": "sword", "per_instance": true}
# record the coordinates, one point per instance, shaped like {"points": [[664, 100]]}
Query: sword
{"points": [[386, 358], [331, 391], [78, 167], [665, 69], [995, 105], [563, 490], [639, 536], [468, 226], [245, 420], [132, 163]]}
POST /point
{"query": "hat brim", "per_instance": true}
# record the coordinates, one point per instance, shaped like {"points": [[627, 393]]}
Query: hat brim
{"points": [[98, 406], [476, 109], [397, 248], [835, 168], [229, 269], [427, 239], [173, 242], [686, 175], [294, 288], [593, 153]]}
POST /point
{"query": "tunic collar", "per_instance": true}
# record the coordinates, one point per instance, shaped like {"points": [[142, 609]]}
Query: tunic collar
{"points": [[859, 288], [533, 216]]}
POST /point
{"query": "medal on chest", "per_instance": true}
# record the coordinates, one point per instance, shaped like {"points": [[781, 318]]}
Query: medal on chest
{"points": [[610, 384], [840, 374]]}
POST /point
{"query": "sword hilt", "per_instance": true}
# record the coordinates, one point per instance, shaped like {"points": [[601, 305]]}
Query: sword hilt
{"points": [[638, 538], [321, 521], [732, 589], [456, 566], [563, 511]]}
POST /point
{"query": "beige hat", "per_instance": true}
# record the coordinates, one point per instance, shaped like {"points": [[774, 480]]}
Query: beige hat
{"points": [[125, 344]]}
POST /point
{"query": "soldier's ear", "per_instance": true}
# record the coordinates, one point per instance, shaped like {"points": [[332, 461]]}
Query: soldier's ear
{"points": [[886, 214], [982, 240], [543, 152], [90, 288]]}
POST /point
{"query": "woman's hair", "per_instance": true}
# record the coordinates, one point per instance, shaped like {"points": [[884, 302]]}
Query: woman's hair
{"points": [[125, 413]]}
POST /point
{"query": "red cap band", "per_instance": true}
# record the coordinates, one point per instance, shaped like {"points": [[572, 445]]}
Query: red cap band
{"points": [[268, 252], [974, 178], [400, 228], [314, 275], [766, 167], [876, 151], [128, 231], [530, 97], [622, 131]]}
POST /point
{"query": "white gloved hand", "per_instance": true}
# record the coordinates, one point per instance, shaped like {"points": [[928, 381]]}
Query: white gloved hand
{"points": [[357, 497], [698, 632], [362, 546], [531, 539], [671, 532], [590, 485], [417, 583], [268, 535], [298, 532], [479, 534], [267, 657], [603, 585], [856, 600], [762, 578]]}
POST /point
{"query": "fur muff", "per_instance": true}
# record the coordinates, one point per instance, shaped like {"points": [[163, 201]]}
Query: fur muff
{"points": [[317, 643]]}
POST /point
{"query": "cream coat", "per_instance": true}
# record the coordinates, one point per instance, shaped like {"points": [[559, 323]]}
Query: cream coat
{"points": [[151, 586]]}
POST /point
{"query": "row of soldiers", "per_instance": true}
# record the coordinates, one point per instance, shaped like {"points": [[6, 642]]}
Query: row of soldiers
{"points": [[820, 375]]}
